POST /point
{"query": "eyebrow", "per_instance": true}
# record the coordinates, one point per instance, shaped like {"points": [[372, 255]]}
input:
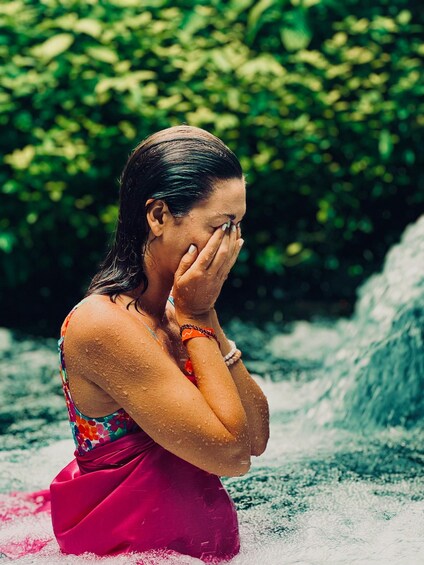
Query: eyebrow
{"points": [[232, 217]]}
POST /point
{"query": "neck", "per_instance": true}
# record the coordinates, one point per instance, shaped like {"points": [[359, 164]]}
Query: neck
{"points": [[153, 301]]}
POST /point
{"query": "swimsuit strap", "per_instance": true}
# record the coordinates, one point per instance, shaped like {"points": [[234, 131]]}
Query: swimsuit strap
{"points": [[68, 317], [153, 333], [89, 432]]}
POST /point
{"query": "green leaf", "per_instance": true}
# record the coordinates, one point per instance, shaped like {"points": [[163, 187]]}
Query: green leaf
{"points": [[7, 241], [103, 54], [53, 47], [89, 26], [271, 259], [385, 144], [295, 39], [257, 11], [294, 248], [20, 159]]}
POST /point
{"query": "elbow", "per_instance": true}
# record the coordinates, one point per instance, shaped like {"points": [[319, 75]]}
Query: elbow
{"points": [[240, 462], [258, 449], [259, 440], [242, 467], [258, 445], [237, 469], [235, 463]]}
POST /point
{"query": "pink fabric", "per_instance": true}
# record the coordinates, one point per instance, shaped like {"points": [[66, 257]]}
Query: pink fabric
{"points": [[133, 495]]}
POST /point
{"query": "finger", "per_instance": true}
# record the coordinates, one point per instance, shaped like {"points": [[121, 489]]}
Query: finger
{"points": [[207, 255], [227, 248], [223, 253], [228, 265], [187, 261], [238, 247], [239, 230], [233, 237]]}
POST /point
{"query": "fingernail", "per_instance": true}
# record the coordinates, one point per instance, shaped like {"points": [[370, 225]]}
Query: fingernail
{"points": [[233, 228], [192, 249], [238, 225], [224, 226], [241, 241]]}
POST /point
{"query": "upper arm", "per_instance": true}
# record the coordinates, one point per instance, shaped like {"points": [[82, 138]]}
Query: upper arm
{"points": [[114, 350]]}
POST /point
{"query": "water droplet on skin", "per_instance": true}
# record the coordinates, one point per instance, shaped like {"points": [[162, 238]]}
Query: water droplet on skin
{"points": [[144, 388], [125, 393]]}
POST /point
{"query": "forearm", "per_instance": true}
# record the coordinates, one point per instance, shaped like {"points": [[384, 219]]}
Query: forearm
{"points": [[253, 399], [214, 381]]}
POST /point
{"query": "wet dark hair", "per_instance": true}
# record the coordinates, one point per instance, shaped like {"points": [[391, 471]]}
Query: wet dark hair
{"points": [[178, 165]]}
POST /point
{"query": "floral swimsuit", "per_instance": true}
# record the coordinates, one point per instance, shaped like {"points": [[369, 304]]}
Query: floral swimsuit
{"points": [[89, 432]]}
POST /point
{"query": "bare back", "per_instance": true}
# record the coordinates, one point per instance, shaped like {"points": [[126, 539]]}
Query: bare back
{"points": [[90, 398]]}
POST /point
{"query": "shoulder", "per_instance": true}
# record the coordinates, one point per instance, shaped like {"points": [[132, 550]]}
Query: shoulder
{"points": [[97, 305], [97, 317], [104, 338]]}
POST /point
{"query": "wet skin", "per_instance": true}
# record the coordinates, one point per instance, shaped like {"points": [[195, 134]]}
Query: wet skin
{"points": [[114, 362]]}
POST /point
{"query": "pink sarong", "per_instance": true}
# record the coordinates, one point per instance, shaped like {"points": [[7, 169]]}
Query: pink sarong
{"points": [[132, 495]]}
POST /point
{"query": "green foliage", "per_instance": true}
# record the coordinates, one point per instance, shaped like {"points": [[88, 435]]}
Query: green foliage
{"points": [[320, 100]]}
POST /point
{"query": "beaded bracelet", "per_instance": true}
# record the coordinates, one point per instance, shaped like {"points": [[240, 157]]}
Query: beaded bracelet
{"points": [[189, 331], [234, 358], [232, 350], [207, 331]]}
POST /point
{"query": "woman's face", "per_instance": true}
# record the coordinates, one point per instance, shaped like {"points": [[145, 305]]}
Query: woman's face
{"points": [[226, 203]]}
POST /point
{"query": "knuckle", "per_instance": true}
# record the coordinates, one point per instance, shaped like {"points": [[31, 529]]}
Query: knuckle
{"points": [[208, 257]]}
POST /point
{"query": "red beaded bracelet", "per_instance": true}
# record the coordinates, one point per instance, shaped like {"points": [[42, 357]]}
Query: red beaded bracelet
{"points": [[189, 331]]}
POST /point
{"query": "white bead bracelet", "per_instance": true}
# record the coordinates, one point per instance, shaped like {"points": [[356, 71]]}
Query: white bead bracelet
{"points": [[234, 358], [232, 350]]}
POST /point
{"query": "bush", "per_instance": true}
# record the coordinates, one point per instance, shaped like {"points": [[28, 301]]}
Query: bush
{"points": [[319, 99]]}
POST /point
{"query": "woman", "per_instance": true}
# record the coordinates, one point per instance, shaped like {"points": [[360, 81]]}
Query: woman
{"points": [[159, 400]]}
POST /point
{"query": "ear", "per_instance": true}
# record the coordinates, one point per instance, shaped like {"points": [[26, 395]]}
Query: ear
{"points": [[157, 214]]}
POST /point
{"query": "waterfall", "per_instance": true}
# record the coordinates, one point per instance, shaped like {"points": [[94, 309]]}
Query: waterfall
{"points": [[370, 368]]}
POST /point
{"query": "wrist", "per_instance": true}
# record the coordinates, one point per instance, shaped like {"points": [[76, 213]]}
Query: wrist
{"points": [[191, 331], [214, 317], [226, 344], [195, 319]]}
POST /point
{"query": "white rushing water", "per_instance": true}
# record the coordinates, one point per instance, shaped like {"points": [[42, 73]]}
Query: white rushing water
{"points": [[301, 502], [342, 479]]}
